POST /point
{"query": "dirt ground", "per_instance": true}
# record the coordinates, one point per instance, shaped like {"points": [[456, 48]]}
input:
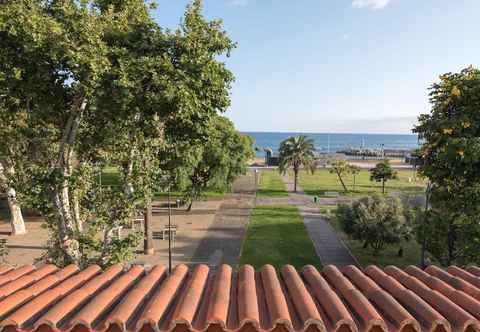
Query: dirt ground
{"points": [[192, 228], [210, 228]]}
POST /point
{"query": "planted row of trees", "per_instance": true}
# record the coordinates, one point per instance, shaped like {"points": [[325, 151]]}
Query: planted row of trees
{"points": [[96, 83]]}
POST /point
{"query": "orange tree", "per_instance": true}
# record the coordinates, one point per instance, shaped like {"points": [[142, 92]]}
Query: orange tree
{"points": [[450, 159]]}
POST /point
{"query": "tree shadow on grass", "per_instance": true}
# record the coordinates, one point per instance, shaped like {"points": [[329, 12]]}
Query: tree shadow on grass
{"points": [[271, 193]]}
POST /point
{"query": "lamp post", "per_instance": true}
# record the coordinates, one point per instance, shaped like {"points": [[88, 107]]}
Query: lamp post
{"points": [[169, 232], [425, 221], [256, 182], [148, 247]]}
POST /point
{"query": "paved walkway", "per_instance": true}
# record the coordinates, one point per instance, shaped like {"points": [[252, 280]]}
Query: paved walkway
{"points": [[330, 249], [226, 233]]}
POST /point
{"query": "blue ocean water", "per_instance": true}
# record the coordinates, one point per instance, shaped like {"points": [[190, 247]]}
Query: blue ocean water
{"points": [[325, 142]]}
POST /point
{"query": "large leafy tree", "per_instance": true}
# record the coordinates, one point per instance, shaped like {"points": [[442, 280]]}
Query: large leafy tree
{"points": [[450, 159], [99, 82], [296, 152], [382, 172], [182, 86], [214, 164]]}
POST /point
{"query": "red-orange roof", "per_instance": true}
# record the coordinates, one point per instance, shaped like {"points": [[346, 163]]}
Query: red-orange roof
{"points": [[135, 299]]}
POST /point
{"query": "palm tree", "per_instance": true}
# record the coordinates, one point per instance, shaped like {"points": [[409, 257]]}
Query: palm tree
{"points": [[296, 152]]}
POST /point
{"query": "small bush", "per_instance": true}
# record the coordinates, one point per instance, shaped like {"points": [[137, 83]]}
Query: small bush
{"points": [[375, 220]]}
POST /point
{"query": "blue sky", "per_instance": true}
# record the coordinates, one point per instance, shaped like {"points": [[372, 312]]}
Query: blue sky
{"points": [[338, 65]]}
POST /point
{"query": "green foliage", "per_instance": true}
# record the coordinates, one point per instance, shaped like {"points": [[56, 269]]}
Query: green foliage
{"points": [[389, 255], [375, 220], [296, 152], [86, 84], [215, 163], [383, 172], [450, 159]]}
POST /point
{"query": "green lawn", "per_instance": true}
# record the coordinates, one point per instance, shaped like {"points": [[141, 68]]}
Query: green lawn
{"points": [[276, 235], [270, 184], [322, 180], [389, 256]]}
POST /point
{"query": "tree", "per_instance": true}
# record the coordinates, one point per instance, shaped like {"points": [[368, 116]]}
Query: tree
{"points": [[296, 152], [216, 163], [450, 158], [190, 87], [340, 168], [383, 172], [375, 220], [7, 171], [354, 170], [100, 83]]}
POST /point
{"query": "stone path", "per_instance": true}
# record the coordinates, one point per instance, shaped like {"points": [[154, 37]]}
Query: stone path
{"points": [[226, 233], [330, 249]]}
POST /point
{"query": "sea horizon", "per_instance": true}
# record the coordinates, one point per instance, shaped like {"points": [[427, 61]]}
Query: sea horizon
{"points": [[335, 142]]}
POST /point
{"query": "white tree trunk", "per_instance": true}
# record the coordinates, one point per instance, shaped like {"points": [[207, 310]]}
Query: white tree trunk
{"points": [[61, 196], [77, 215], [16, 218], [128, 186]]}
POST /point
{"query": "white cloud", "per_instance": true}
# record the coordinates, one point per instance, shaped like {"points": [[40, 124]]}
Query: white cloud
{"points": [[239, 3], [372, 4]]}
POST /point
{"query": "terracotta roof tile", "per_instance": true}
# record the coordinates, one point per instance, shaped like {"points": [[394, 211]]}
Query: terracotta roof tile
{"points": [[133, 299]]}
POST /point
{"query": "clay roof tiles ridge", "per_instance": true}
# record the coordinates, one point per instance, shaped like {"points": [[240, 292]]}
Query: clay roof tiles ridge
{"points": [[46, 299], [459, 319]]}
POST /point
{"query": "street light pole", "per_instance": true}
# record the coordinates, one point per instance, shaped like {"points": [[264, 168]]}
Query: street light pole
{"points": [[169, 233], [148, 247], [256, 183], [425, 221]]}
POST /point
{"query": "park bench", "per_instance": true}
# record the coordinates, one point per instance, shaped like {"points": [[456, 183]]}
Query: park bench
{"points": [[135, 223], [167, 231], [331, 194]]}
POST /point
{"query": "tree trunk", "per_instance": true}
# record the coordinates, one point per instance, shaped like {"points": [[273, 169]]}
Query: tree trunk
{"points": [[148, 248], [16, 217], [190, 205], [295, 177], [60, 192], [128, 171], [343, 183], [65, 229], [77, 215], [451, 239]]}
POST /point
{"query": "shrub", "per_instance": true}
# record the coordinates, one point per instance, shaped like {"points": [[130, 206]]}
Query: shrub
{"points": [[375, 220]]}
